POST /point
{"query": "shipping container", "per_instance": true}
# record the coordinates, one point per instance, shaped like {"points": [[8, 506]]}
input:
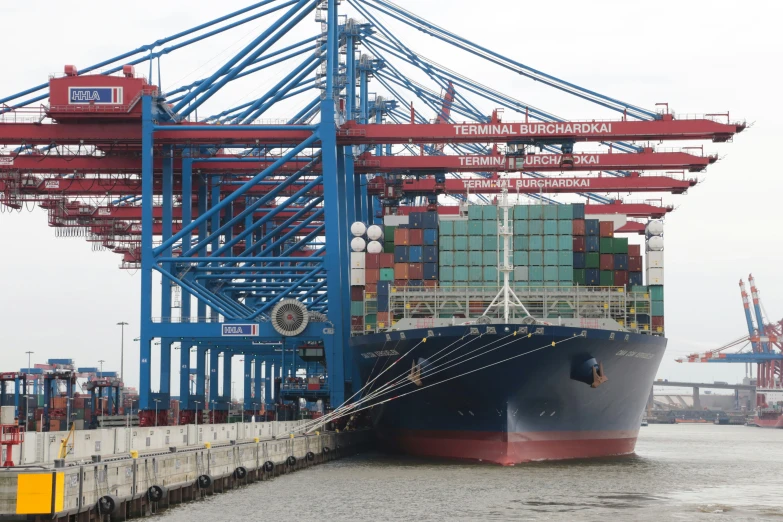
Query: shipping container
{"points": [[490, 228], [656, 292], [460, 242], [431, 283], [654, 276], [521, 273], [429, 220], [387, 274], [606, 245], [634, 250], [607, 262], [579, 260], [371, 275], [551, 273], [578, 227], [521, 258], [536, 273], [551, 243], [550, 227], [401, 237], [536, 228], [635, 278], [634, 263], [446, 227], [430, 254], [401, 254], [620, 245], [415, 254], [580, 276], [475, 228], [430, 271], [565, 227], [521, 227], [550, 258], [521, 243], [565, 212], [491, 243], [592, 227], [416, 237], [358, 260], [460, 258], [551, 211], [565, 242], [357, 277], [520, 212], [607, 278], [371, 261], [476, 258], [461, 227], [490, 258], [416, 271], [606, 229], [593, 276], [535, 212], [654, 259], [536, 258], [446, 243], [357, 308], [620, 262], [446, 273], [592, 244], [388, 234], [565, 258], [593, 260], [657, 324], [536, 243], [565, 274], [414, 220], [476, 273], [620, 277], [388, 247], [489, 212], [446, 258], [387, 260], [401, 271], [371, 290], [475, 242], [657, 308], [579, 210], [461, 273], [578, 244], [430, 237], [490, 274]]}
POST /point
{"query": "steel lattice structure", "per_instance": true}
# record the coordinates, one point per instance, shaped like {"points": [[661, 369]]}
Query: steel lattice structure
{"points": [[234, 216]]}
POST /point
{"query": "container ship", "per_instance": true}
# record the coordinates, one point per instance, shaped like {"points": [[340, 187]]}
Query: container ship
{"points": [[506, 334], [770, 413]]}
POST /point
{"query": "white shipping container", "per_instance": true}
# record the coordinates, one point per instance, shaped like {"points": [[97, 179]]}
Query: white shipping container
{"points": [[394, 221], [7, 415], [654, 276], [357, 276], [357, 259], [653, 260], [520, 273]]}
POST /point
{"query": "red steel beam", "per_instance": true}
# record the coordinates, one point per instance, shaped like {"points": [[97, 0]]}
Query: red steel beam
{"points": [[635, 210]]}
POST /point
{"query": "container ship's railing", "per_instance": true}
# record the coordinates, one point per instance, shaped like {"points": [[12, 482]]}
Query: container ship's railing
{"points": [[590, 304]]}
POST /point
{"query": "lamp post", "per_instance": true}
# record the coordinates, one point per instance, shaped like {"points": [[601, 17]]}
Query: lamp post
{"points": [[122, 325], [212, 413], [156, 411], [29, 365], [101, 361], [196, 403]]}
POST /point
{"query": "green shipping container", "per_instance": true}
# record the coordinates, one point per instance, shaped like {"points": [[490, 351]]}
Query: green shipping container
{"points": [[490, 274], [565, 227], [565, 212], [607, 278], [565, 274], [446, 258], [657, 309], [592, 260], [460, 273], [490, 243], [461, 258], [580, 276], [460, 242], [521, 227], [551, 284], [357, 308], [489, 212], [521, 243], [446, 273], [656, 292], [446, 228], [565, 258], [550, 258], [445, 244], [461, 227], [371, 319], [565, 242], [476, 273], [476, 258], [620, 245], [445, 284], [475, 213], [550, 243], [475, 228], [388, 247], [521, 258], [550, 227], [640, 289], [536, 243], [490, 227], [490, 259], [535, 212], [536, 273], [475, 242], [387, 274], [606, 245], [550, 211], [536, 228], [476, 284], [520, 212], [388, 233], [536, 258], [550, 273]]}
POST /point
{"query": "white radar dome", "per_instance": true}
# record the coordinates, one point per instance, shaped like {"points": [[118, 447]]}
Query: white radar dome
{"points": [[358, 244], [654, 228], [358, 229], [655, 243], [374, 247], [374, 232]]}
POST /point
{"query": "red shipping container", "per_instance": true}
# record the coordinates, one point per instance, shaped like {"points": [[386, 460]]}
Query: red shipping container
{"points": [[606, 228], [357, 293], [385, 318], [357, 321], [430, 282], [415, 236], [401, 282], [371, 289], [372, 275], [657, 322], [401, 237], [415, 270], [387, 260], [634, 263], [578, 228], [606, 262], [620, 277], [401, 271], [634, 250], [579, 244], [372, 261]]}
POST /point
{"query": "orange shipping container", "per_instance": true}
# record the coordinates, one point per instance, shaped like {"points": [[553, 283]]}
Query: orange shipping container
{"points": [[401, 237], [400, 270], [606, 228]]}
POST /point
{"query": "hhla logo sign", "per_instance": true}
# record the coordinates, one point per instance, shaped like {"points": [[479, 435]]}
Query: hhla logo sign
{"points": [[239, 330]]}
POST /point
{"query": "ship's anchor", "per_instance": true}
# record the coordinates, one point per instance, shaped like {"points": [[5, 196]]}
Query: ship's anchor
{"points": [[599, 377], [415, 375]]}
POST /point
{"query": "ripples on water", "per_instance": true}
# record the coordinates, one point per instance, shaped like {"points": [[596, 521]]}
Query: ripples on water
{"points": [[679, 472]]}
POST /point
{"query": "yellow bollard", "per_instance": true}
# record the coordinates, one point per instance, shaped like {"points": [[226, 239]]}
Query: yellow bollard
{"points": [[207, 445], [134, 454]]}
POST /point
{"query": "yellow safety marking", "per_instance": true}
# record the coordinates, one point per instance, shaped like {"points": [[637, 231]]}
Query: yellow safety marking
{"points": [[207, 445], [134, 454], [40, 493]]}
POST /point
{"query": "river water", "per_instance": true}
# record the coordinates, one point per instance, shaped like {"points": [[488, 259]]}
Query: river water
{"points": [[679, 472]]}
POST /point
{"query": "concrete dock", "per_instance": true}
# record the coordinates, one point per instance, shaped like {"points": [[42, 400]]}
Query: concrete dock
{"points": [[133, 472]]}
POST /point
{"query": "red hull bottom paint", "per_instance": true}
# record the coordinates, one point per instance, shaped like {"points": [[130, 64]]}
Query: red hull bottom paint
{"points": [[770, 422], [508, 449]]}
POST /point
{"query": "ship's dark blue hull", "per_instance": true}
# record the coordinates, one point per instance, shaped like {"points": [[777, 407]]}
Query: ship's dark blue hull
{"points": [[509, 398]]}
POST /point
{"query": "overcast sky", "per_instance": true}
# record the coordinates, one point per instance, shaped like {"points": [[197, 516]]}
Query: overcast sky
{"points": [[58, 298]]}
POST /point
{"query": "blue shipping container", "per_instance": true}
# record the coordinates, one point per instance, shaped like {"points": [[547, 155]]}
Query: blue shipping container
{"points": [[431, 271], [414, 220], [579, 260], [621, 262], [401, 254], [429, 254], [592, 227], [593, 276], [635, 278], [415, 254], [429, 220], [592, 244], [430, 236], [383, 288]]}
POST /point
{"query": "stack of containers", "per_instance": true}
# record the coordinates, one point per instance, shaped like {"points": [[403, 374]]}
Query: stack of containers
{"points": [[654, 266], [468, 249], [416, 251], [366, 269]]}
